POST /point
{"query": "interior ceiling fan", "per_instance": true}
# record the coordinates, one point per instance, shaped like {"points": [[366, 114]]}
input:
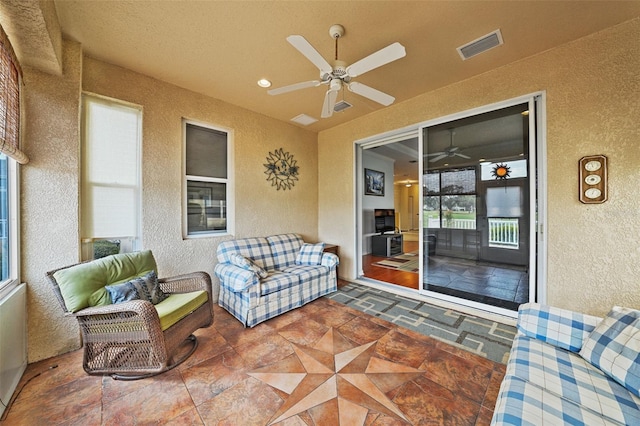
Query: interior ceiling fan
{"points": [[340, 75], [451, 151]]}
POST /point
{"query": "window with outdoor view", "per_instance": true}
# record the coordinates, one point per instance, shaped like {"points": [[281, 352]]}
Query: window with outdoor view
{"points": [[207, 171], [10, 157], [450, 198]]}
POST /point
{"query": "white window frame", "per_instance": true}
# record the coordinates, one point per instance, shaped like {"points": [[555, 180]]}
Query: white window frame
{"points": [[129, 243], [13, 211], [229, 182]]}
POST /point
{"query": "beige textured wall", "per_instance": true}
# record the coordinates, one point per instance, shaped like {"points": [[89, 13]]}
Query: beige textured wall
{"points": [[260, 208], [49, 190], [51, 181], [593, 105]]}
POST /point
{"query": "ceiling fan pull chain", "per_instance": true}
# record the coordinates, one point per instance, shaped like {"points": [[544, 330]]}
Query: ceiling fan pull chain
{"points": [[336, 58]]}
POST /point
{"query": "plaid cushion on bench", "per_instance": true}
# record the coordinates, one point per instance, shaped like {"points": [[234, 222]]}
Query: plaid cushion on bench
{"points": [[569, 379], [559, 327]]}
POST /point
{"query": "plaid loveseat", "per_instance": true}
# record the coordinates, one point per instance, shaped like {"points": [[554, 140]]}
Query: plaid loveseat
{"points": [[550, 381], [263, 277]]}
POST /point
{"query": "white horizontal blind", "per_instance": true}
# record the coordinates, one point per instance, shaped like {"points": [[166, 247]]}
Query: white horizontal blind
{"points": [[111, 160]]}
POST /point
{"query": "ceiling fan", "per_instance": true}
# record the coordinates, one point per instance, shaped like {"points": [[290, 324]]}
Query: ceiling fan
{"points": [[451, 151], [340, 75]]}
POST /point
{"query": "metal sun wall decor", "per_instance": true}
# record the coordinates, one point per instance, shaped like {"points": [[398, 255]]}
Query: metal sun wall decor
{"points": [[282, 170], [501, 171]]}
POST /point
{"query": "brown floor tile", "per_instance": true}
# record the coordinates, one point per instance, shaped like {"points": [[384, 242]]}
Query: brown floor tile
{"points": [[332, 316], [57, 405], [303, 332], [265, 351], [210, 344], [491, 396], [250, 402], [361, 330], [213, 376], [459, 375], [236, 334], [323, 363], [160, 400], [188, 418], [484, 418], [459, 352], [397, 346], [425, 403]]}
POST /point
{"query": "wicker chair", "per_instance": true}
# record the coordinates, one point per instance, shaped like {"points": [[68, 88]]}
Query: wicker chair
{"points": [[126, 340]]}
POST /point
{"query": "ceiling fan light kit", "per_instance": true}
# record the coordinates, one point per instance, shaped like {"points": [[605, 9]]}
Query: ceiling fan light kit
{"points": [[339, 75]]}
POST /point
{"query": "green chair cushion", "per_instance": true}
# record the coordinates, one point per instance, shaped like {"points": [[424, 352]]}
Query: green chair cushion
{"points": [[179, 305], [79, 282]]}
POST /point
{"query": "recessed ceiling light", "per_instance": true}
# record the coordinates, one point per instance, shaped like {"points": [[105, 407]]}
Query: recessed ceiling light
{"points": [[263, 82], [304, 119]]}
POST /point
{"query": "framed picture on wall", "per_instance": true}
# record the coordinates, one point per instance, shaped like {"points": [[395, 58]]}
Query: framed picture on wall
{"points": [[373, 182]]}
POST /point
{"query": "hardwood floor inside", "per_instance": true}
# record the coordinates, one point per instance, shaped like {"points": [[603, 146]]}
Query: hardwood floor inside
{"points": [[388, 275]]}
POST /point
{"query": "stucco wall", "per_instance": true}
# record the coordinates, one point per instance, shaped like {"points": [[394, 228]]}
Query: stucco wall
{"points": [[593, 102], [51, 181], [49, 191]]}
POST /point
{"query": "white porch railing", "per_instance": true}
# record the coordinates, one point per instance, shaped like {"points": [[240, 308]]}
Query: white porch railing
{"points": [[452, 223], [504, 233]]}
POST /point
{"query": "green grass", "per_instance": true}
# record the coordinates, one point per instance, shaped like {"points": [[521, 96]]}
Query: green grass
{"points": [[454, 215]]}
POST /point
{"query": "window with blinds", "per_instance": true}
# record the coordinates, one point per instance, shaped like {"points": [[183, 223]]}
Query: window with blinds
{"points": [[207, 170], [10, 156], [111, 177]]}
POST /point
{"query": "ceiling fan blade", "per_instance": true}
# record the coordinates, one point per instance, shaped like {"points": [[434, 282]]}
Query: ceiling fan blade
{"points": [[462, 155], [438, 158], [381, 57], [435, 153], [329, 103], [293, 87], [371, 93], [310, 53]]}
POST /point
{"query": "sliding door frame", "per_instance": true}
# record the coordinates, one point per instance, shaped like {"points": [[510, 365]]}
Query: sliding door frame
{"points": [[537, 186]]}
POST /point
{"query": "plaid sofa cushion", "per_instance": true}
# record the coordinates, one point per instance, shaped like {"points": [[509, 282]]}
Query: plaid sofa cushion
{"points": [[550, 371], [245, 263], [614, 347], [257, 249], [559, 327], [307, 273], [234, 278], [277, 281], [284, 249], [524, 404], [310, 254]]}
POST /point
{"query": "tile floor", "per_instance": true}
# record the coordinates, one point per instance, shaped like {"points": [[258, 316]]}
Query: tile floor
{"points": [[494, 284], [322, 364]]}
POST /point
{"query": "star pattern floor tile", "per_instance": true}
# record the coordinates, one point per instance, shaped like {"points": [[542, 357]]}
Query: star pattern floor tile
{"points": [[322, 364], [333, 370]]}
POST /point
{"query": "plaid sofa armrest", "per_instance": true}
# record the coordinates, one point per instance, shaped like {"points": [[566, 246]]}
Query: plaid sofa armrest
{"points": [[330, 260], [235, 278], [559, 327]]}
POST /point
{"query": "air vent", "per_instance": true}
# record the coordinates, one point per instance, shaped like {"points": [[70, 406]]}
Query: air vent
{"points": [[341, 106], [480, 45], [304, 119]]}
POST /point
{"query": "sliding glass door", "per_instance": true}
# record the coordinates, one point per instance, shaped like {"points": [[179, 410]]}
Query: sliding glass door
{"points": [[479, 206]]}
